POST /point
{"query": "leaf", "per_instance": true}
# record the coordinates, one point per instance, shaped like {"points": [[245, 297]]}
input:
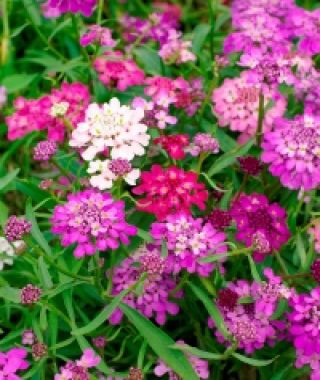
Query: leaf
{"points": [[282, 307], [144, 235], [103, 315], [18, 82], [300, 249], [253, 269], [161, 344], [229, 158], [253, 362], [7, 179], [149, 59], [221, 19], [214, 258], [35, 231], [33, 11], [196, 352], [4, 212], [164, 249], [199, 36], [10, 294], [226, 142], [212, 310], [44, 274], [35, 193]]}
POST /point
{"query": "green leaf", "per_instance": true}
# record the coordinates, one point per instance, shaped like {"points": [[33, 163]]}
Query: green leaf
{"points": [[161, 344], [18, 82], [144, 235], [44, 274], [253, 362], [7, 179], [103, 315], [164, 249], [149, 59], [282, 307], [214, 258], [32, 191], [212, 310], [4, 212], [10, 294], [226, 142], [199, 36], [33, 11], [229, 158], [196, 352], [221, 19], [300, 249], [253, 269], [35, 231]]}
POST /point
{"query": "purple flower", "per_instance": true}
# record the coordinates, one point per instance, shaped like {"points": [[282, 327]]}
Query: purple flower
{"points": [[16, 228], [92, 220], [253, 213], [292, 150], [11, 362], [99, 35], [44, 150], [30, 294], [54, 8], [189, 240], [153, 299]]}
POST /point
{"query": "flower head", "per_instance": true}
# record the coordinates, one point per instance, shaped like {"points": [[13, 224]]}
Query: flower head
{"points": [[250, 165], [44, 150], [168, 191], [260, 224], [112, 126], [54, 8], [292, 150], [174, 145], [16, 228], [203, 143], [11, 362], [92, 220], [99, 35], [30, 294]]}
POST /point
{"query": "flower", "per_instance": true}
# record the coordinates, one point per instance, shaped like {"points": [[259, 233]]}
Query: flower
{"points": [[115, 70], [11, 362], [153, 300], [110, 170], [44, 150], [188, 240], [236, 105], [200, 367], [292, 150], [175, 50], [30, 294], [28, 337], [50, 112], [253, 213], [203, 143], [314, 232], [3, 96], [99, 341], [250, 165], [8, 250], [170, 190], [315, 270], [250, 322], [99, 35], [16, 228], [39, 350], [219, 219], [111, 126], [174, 145], [54, 8], [135, 374], [79, 369], [93, 221]]}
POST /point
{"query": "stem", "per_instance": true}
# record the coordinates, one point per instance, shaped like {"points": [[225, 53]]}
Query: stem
{"points": [[260, 118], [211, 35], [75, 25], [6, 31], [44, 38], [242, 186], [202, 157], [297, 275], [281, 263], [100, 11], [181, 284]]}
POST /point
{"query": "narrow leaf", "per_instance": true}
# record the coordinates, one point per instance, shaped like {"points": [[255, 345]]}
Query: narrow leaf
{"points": [[7, 179], [252, 361], [196, 352]]}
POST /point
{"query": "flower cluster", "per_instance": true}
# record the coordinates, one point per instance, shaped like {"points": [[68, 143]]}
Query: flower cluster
{"points": [[259, 221], [93, 221], [188, 241], [54, 8], [153, 300], [169, 191], [11, 362], [174, 50], [57, 112], [99, 35]]}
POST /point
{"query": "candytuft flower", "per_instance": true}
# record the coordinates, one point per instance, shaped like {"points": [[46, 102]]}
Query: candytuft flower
{"points": [[16, 228]]}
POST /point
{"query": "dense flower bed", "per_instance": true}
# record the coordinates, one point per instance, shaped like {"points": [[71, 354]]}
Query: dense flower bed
{"points": [[159, 170]]}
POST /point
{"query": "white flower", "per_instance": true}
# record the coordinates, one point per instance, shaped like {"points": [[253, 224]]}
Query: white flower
{"points": [[7, 251], [109, 171], [59, 109], [112, 126]]}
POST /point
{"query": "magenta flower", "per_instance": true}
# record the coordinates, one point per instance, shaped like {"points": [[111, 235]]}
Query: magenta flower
{"points": [[188, 240], [168, 191], [174, 145], [16, 228], [54, 8], [154, 299], [253, 213], [93, 221], [115, 70], [99, 35], [11, 362], [293, 152], [44, 150]]}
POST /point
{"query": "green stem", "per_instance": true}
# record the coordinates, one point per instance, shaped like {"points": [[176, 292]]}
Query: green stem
{"points": [[260, 118], [242, 186], [281, 263], [44, 38], [6, 31], [211, 34], [100, 11], [76, 29], [202, 157], [181, 284]]}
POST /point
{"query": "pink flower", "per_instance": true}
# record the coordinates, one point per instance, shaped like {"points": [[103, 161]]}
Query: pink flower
{"points": [[16, 228], [174, 145], [54, 8], [236, 105], [153, 301], [11, 362], [99, 35], [50, 112], [170, 190], [189, 240], [293, 152], [92, 220], [314, 232], [116, 71], [253, 213], [88, 359], [175, 50]]}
